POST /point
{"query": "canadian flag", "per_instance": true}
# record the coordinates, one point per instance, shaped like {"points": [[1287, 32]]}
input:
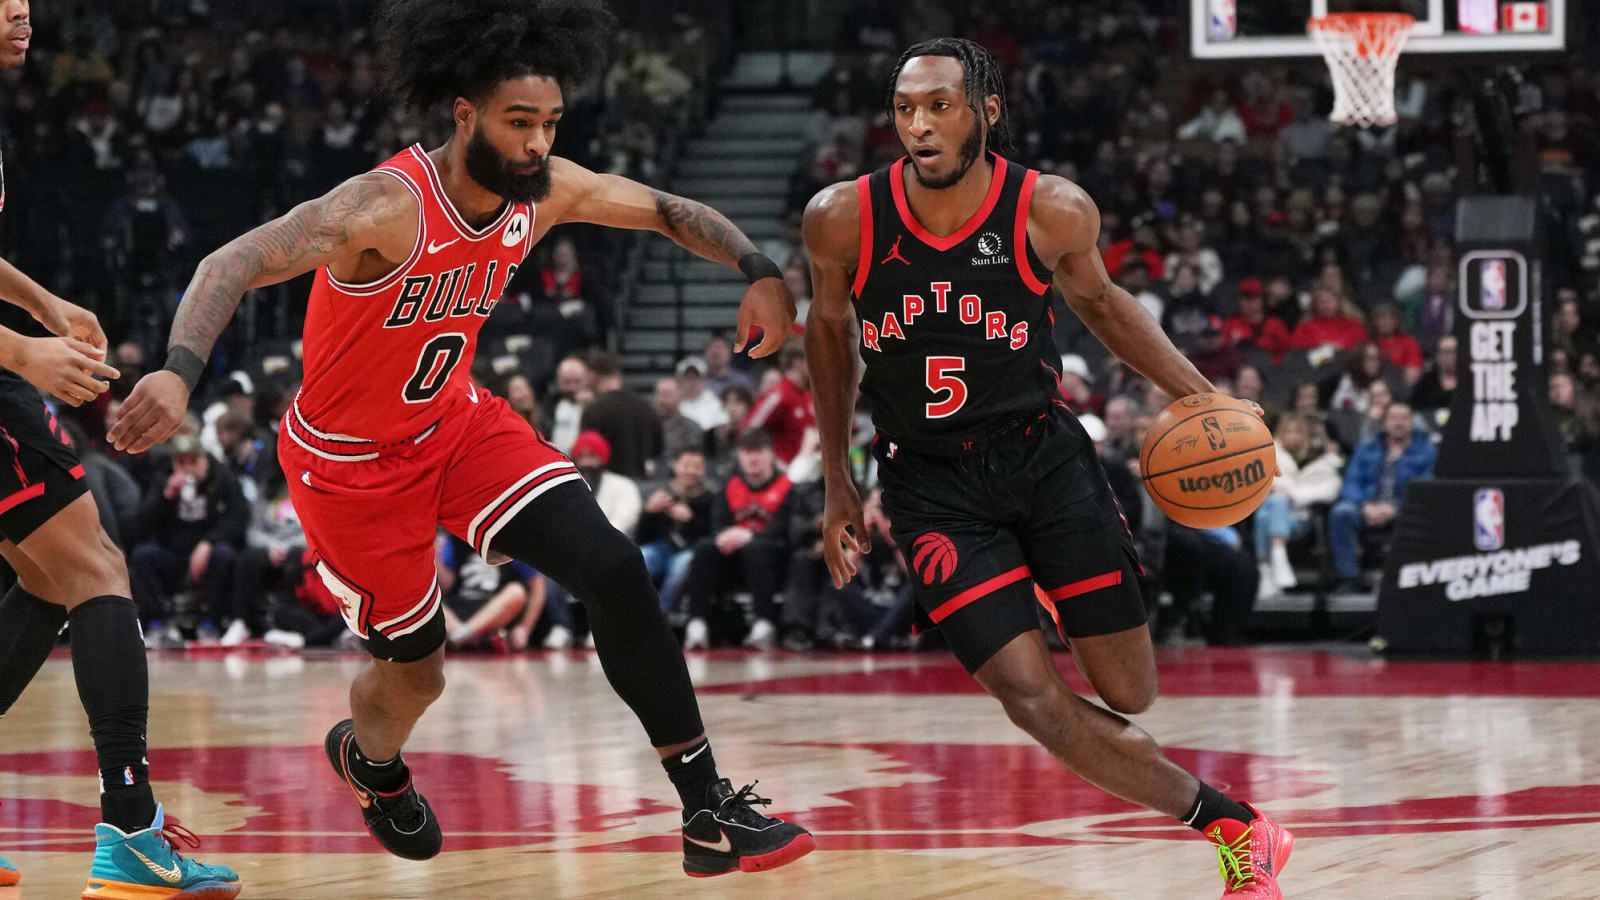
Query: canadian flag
{"points": [[1524, 17]]}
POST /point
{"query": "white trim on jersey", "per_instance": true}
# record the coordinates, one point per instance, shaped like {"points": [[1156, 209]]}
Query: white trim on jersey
{"points": [[373, 287], [356, 457], [454, 215], [477, 521], [430, 601], [511, 512], [320, 435]]}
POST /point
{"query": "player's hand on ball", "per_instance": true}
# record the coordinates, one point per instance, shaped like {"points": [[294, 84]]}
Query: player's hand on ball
{"points": [[65, 368], [152, 412], [844, 532], [767, 305]]}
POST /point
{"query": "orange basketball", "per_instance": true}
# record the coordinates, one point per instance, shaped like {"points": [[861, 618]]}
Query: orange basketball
{"points": [[1208, 460]]}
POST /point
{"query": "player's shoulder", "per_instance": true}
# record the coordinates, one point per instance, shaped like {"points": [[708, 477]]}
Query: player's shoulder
{"points": [[832, 221], [376, 195], [1054, 195], [1062, 218]]}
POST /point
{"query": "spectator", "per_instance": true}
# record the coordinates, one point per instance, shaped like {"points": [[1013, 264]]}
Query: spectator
{"points": [[1217, 122], [1212, 355], [231, 393], [195, 516], [1214, 561], [736, 403], [1192, 251], [1374, 485], [1075, 386], [678, 432], [1307, 476], [1252, 326], [274, 559], [626, 420], [1362, 367], [747, 548], [719, 374], [784, 411], [1328, 324], [116, 493], [1120, 445], [252, 458], [1249, 384], [1399, 348], [677, 516], [498, 605], [699, 402], [1134, 277], [1437, 385], [1140, 247], [574, 391], [1188, 315], [1434, 316], [518, 393], [616, 494], [1577, 418]]}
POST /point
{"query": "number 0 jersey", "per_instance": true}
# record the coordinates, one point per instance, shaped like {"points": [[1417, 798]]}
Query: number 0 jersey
{"points": [[955, 330], [386, 359]]}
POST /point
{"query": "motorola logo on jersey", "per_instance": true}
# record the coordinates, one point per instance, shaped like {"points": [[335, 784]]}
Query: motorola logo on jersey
{"points": [[516, 230], [968, 308], [446, 295]]}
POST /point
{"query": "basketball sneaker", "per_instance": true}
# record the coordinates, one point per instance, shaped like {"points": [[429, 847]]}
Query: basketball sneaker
{"points": [[402, 820], [1250, 855], [730, 835], [8, 873], [146, 865]]}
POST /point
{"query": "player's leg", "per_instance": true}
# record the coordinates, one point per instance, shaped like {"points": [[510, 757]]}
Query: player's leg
{"points": [[512, 495], [33, 614]]}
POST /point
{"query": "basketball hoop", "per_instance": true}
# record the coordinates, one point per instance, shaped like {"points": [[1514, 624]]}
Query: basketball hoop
{"points": [[1362, 50]]}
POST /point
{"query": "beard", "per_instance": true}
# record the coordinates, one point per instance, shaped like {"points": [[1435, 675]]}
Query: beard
{"points": [[496, 174], [970, 148]]}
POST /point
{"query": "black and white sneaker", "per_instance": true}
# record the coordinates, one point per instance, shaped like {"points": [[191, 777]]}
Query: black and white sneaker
{"points": [[730, 835], [402, 820]]}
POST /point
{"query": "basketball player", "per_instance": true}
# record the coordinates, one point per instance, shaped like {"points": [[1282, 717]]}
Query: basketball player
{"points": [[389, 437], [69, 573], [990, 484]]}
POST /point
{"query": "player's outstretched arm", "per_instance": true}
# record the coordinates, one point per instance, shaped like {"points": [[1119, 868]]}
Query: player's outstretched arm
{"points": [[580, 195], [63, 366], [370, 212], [1064, 222], [832, 229]]}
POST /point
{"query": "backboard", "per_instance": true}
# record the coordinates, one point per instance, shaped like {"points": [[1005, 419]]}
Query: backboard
{"points": [[1243, 29]]}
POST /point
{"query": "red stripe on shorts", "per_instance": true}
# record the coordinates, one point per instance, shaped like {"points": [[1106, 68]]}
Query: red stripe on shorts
{"points": [[1086, 585], [27, 493], [975, 593]]}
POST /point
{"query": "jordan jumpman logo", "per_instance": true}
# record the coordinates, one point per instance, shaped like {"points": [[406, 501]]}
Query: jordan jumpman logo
{"points": [[894, 252]]}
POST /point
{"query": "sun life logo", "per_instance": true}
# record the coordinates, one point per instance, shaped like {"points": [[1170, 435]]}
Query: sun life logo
{"points": [[990, 245]]}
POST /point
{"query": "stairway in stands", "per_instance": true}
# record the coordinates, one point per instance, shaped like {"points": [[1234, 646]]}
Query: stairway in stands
{"points": [[741, 166]]}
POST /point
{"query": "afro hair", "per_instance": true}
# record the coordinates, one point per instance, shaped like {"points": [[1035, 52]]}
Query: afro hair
{"points": [[434, 51]]}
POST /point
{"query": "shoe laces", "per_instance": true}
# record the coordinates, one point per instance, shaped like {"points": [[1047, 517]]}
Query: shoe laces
{"points": [[1233, 860], [738, 806], [404, 809], [172, 833]]}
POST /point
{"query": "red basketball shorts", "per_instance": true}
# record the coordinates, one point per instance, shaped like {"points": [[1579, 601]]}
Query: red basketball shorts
{"points": [[371, 511]]}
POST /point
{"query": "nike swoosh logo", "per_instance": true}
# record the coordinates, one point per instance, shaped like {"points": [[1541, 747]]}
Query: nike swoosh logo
{"points": [[722, 846], [435, 248], [364, 797], [171, 876], [689, 757]]}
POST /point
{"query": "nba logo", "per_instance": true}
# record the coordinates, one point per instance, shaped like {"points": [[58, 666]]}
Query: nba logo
{"points": [[1221, 21], [1492, 284], [1488, 519], [127, 775]]}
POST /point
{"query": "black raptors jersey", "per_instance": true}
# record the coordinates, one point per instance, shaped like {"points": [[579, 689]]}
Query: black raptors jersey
{"points": [[956, 330]]}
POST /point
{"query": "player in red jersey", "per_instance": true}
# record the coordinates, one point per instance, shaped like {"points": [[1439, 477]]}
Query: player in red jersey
{"points": [[991, 486], [389, 438]]}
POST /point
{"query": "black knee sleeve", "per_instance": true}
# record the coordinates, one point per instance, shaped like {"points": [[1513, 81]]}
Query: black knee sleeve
{"points": [[30, 629], [567, 538]]}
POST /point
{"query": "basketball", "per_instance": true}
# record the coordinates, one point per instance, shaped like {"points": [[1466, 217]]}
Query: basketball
{"points": [[1208, 460]]}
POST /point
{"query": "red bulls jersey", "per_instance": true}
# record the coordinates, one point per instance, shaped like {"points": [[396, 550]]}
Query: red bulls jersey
{"points": [[386, 359]]}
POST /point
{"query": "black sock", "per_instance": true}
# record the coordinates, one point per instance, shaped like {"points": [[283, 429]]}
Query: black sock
{"points": [[30, 630], [1211, 805], [385, 777], [692, 772], [114, 685]]}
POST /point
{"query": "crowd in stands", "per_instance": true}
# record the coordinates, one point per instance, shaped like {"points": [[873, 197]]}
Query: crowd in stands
{"points": [[1306, 268]]}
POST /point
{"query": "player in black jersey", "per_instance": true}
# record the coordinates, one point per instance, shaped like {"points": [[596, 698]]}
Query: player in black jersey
{"points": [[70, 573], [991, 486]]}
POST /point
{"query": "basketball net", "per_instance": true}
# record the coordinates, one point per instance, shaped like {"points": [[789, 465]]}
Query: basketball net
{"points": [[1362, 50]]}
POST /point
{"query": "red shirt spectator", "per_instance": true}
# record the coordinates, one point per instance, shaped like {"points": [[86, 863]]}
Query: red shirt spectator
{"points": [[1252, 327], [785, 411], [1400, 349], [1117, 254], [1328, 325]]}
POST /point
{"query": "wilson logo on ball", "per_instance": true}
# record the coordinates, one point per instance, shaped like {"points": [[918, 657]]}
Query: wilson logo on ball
{"points": [[1227, 482], [934, 558]]}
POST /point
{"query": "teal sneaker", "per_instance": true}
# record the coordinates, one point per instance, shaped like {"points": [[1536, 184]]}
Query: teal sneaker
{"points": [[146, 866], [8, 873]]}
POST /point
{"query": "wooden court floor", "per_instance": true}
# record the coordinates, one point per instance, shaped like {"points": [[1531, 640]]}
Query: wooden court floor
{"points": [[1421, 781]]}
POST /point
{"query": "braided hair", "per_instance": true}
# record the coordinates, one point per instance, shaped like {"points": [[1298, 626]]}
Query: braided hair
{"points": [[983, 78]]}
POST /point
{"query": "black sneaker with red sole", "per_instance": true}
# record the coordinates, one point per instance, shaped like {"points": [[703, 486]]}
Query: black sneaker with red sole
{"points": [[729, 835], [402, 820]]}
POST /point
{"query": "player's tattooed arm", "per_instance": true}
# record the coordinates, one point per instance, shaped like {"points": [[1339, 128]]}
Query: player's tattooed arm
{"points": [[1064, 225], [355, 217]]}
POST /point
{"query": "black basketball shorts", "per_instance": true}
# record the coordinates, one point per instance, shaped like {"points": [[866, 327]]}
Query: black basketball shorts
{"points": [[990, 532], [39, 472]]}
